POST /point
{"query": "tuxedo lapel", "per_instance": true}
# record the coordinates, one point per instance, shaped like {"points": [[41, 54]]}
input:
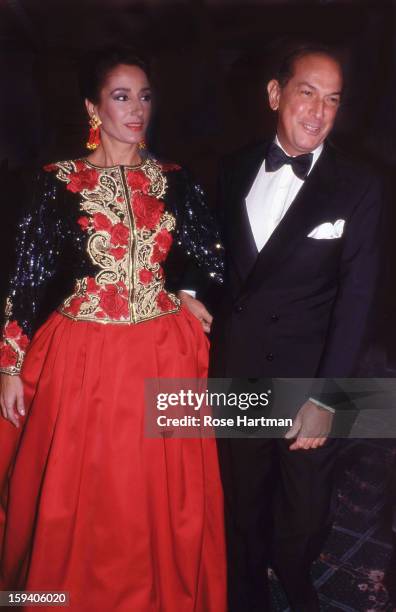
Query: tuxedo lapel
{"points": [[243, 249], [306, 211]]}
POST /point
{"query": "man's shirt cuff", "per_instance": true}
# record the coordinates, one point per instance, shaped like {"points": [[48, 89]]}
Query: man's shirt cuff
{"points": [[321, 405]]}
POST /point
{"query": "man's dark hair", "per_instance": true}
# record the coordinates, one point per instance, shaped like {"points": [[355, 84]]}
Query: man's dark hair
{"points": [[285, 69], [95, 67]]}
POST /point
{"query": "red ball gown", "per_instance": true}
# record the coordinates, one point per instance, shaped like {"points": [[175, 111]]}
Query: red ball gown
{"points": [[89, 504]]}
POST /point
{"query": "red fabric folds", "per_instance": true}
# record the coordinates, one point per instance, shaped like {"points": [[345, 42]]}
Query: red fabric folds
{"points": [[122, 522]]}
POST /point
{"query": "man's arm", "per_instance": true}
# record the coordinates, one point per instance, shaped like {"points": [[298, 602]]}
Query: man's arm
{"points": [[353, 315]]}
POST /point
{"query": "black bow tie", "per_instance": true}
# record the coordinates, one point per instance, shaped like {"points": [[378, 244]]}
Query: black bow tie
{"points": [[276, 158]]}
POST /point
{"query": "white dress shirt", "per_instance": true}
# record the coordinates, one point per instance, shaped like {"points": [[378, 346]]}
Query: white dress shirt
{"points": [[270, 197]]}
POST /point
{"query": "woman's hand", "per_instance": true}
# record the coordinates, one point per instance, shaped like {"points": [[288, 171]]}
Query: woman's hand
{"points": [[11, 398], [197, 309]]}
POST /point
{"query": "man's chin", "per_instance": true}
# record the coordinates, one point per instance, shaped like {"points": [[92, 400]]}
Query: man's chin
{"points": [[309, 144]]}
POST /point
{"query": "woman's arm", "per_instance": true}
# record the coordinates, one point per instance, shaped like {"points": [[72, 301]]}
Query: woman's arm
{"points": [[198, 238], [37, 250]]}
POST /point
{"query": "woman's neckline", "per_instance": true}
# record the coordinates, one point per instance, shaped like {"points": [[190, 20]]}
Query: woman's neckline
{"points": [[129, 167]]}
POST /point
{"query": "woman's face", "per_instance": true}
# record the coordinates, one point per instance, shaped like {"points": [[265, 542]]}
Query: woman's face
{"points": [[125, 104]]}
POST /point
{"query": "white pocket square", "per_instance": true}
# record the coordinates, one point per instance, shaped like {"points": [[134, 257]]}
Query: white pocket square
{"points": [[328, 231]]}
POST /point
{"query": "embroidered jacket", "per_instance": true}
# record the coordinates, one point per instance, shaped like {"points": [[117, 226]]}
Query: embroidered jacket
{"points": [[92, 245]]}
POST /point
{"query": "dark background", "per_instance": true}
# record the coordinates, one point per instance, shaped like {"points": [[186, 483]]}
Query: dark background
{"points": [[211, 60]]}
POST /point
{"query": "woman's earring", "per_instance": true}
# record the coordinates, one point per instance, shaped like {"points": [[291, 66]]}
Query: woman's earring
{"points": [[94, 133], [142, 145]]}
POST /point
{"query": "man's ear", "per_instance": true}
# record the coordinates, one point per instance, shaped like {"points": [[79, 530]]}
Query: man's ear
{"points": [[274, 92]]}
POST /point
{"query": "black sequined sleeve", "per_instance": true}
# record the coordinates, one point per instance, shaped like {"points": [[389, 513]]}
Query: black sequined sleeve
{"points": [[197, 234], [37, 251]]}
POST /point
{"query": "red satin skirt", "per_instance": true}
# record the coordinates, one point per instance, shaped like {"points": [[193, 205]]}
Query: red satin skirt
{"points": [[92, 506]]}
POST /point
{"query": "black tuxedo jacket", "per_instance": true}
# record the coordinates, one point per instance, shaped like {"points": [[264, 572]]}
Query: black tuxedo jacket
{"points": [[302, 307]]}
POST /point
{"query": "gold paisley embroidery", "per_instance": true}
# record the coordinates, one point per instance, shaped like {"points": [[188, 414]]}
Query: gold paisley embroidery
{"points": [[158, 181], [146, 295], [120, 251]]}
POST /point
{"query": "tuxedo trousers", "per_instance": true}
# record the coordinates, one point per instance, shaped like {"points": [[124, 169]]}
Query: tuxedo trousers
{"points": [[278, 509]]}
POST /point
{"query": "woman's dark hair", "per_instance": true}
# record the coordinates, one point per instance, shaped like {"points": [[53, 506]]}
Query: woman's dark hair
{"points": [[285, 69], [95, 67]]}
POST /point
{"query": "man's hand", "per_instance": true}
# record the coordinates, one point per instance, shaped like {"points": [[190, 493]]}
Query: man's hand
{"points": [[198, 310], [11, 398], [311, 427]]}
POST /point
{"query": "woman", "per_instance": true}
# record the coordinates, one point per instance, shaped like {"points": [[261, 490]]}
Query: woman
{"points": [[121, 521]]}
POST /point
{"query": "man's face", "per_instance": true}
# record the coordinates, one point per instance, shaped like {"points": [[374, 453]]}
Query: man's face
{"points": [[307, 105]]}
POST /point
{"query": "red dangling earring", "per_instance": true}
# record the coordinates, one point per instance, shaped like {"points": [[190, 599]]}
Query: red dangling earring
{"points": [[94, 133]]}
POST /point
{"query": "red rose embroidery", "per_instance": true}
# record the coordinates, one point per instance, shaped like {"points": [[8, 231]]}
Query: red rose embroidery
{"points": [[50, 167], [164, 240], [84, 179], [138, 181], [164, 302], [145, 276], [117, 252], [8, 356], [23, 342], [119, 234], [114, 301], [101, 222], [12, 330], [167, 167], [75, 305], [83, 222], [157, 255], [92, 286], [147, 210], [80, 165]]}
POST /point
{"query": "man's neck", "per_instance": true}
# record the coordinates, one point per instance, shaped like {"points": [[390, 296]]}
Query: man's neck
{"points": [[315, 152]]}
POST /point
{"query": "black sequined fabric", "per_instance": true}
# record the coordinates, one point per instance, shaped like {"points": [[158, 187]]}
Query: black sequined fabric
{"points": [[196, 230], [50, 253]]}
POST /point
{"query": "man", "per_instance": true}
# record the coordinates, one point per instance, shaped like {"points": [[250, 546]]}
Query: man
{"points": [[301, 234]]}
